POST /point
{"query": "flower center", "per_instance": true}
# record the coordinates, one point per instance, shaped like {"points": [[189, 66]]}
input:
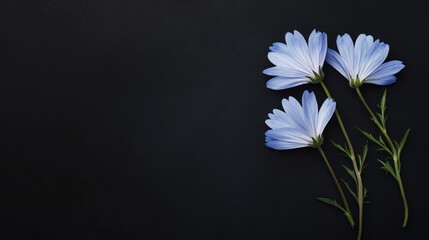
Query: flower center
{"points": [[318, 77], [354, 83], [317, 141]]}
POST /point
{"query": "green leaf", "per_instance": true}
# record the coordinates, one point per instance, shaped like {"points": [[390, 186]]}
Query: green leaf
{"points": [[365, 192], [331, 202], [383, 103], [381, 140], [364, 153], [396, 144], [378, 142], [382, 116], [345, 150], [386, 166], [402, 143], [350, 172], [363, 157], [379, 115], [335, 204], [350, 219], [369, 136], [350, 190], [360, 162]]}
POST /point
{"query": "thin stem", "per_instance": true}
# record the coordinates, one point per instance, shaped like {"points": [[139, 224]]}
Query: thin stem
{"points": [[337, 184], [354, 163], [404, 200], [395, 155], [375, 119]]}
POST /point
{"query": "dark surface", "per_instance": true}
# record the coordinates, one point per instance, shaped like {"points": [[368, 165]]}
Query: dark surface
{"points": [[145, 120]]}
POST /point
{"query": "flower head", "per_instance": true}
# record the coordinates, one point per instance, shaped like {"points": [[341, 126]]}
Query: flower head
{"points": [[298, 126], [362, 62], [296, 61]]}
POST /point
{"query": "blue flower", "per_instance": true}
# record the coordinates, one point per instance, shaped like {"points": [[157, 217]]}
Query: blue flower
{"points": [[362, 62], [296, 61], [298, 126]]}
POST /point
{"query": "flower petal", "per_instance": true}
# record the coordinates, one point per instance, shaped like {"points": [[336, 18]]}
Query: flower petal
{"points": [[366, 46], [374, 58], [280, 48], [310, 109], [317, 45], [290, 135], [334, 59], [278, 119], [284, 72], [323, 48], [386, 69], [294, 112], [325, 113], [287, 61], [299, 49], [293, 109], [280, 83], [275, 123], [345, 48], [359, 52], [280, 145], [382, 81]]}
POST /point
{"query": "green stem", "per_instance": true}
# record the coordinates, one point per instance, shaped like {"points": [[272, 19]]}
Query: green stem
{"points": [[404, 199], [354, 163], [337, 184], [375, 119], [395, 155]]}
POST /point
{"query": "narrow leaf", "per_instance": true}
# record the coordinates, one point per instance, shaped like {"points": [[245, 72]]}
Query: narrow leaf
{"points": [[365, 192], [381, 117], [350, 190], [335, 204], [350, 219], [404, 139], [379, 143], [383, 109], [396, 144], [363, 157], [381, 140], [369, 136], [383, 102], [386, 166], [331, 202], [345, 150], [364, 153], [350, 172]]}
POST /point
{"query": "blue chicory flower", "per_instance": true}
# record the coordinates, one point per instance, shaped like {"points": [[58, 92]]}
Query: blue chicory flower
{"points": [[362, 62], [297, 62], [298, 126]]}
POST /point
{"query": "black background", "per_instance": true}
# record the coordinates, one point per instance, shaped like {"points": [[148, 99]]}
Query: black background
{"points": [[145, 120]]}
